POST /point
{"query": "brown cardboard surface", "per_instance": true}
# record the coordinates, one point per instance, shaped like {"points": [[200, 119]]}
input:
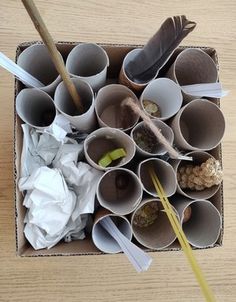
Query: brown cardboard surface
{"points": [[116, 55]]}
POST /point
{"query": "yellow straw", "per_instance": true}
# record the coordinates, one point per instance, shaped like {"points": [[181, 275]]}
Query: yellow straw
{"points": [[182, 238]]}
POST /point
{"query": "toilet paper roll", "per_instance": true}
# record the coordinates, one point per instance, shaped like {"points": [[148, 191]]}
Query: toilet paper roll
{"points": [[85, 122], [120, 191], [193, 66], [102, 239], [165, 173], [153, 148], [198, 158], [199, 125], [109, 109], [89, 62], [36, 60], [105, 140], [203, 227], [166, 94], [157, 235], [35, 107]]}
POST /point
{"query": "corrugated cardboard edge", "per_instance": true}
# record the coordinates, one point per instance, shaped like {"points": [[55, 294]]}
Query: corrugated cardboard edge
{"points": [[42, 253]]}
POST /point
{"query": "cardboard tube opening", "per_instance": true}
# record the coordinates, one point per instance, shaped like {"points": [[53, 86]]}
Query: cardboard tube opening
{"points": [[194, 66], [109, 110], [123, 77], [199, 157], [103, 240], [164, 172], [105, 140], [35, 107], [203, 227], [147, 143], [88, 61], [157, 235], [120, 191], [166, 94], [199, 125], [65, 104], [36, 60]]}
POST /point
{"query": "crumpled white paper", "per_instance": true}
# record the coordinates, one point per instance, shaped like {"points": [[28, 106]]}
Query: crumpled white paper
{"points": [[50, 205], [59, 128], [59, 200], [83, 179]]}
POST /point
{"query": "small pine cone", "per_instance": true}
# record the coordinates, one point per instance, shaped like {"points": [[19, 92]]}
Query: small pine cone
{"points": [[196, 170], [200, 177], [199, 188], [190, 185], [184, 177], [183, 184], [181, 170]]}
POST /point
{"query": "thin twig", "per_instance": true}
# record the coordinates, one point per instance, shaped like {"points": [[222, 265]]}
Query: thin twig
{"points": [[56, 58]]}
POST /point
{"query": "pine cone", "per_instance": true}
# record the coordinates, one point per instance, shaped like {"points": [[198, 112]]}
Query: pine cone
{"points": [[198, 178]]}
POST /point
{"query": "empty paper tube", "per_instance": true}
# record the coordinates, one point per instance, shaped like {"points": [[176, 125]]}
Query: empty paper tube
{"points": [[123, 77], [199, 125], [203, 224], [104, 140], [165, 173], [36, 60], [147, 143], [151, 226], [35, 107], [89, 62], [120, 191], [109, 110], [166, 94], [85, 122], [199, 157], [102, 239], [193, 66]]}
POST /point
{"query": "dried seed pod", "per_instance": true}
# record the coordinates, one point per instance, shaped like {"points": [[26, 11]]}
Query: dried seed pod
{"points": [[200, 177], [151, 108], [146, 215]]}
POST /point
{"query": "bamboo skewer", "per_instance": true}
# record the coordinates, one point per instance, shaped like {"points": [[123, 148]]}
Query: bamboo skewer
{"points": [[206, 290], [55, 56]]}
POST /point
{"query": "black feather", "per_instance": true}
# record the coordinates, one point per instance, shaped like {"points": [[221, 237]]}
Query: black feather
{"points": [[159, 48]]}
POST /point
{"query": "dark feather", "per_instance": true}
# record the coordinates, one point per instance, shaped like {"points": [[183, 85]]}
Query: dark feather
{"points": [[159, 48]]}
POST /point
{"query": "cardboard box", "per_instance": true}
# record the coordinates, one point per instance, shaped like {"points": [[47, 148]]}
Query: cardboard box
{"points": [[116, 54]]}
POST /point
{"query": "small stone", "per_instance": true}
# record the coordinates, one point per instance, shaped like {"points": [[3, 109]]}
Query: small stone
{"points": [[151, 108], [187, 214]]}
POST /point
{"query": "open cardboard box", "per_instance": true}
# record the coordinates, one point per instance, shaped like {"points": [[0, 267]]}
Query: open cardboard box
{"points": [[116, 53]]}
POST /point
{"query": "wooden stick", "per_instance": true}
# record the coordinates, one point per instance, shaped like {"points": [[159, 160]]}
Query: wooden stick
{"points": [[56, 58]]}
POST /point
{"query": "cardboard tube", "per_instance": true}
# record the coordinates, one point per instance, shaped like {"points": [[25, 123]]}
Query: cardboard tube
{"points": [[109, 110], [120, 191], [124, 79], [193, 66], [85, 122], [165, 173], [158, 235], [204, 225], [89, 62], [157, 149], [198, 158], [35, 107], [166, 94], [105, 140], [199, 125], [104, 241], [36, 60]]}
